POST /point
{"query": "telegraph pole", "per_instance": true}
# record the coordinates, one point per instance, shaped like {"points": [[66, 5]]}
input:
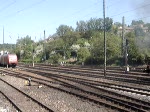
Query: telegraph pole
{"points": [[3, 44], [123, 44], [19, 47], [104, 38], [124, 47], [44, 47], [33, 53], [3, 39]]}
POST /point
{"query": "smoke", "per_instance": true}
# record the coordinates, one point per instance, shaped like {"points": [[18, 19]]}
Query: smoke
{"points": [[143, 42], [142, 8]]}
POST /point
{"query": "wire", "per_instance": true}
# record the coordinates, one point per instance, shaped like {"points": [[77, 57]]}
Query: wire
{"points": [[14, 1], [77, 12], [140, 18], [21, 10], [131, 10], [30, 6]]}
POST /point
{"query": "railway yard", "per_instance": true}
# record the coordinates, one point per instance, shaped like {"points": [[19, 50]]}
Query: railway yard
{"points": [[49, 88]]}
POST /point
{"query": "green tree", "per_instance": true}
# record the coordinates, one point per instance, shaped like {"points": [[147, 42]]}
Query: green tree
{"points": [[134, 22], [55, 58], [139, 31], [24, 48], [109, 23], [134, 56], [83, 54], [63, 29], [81, 26], [95, 24], [147, 25]]}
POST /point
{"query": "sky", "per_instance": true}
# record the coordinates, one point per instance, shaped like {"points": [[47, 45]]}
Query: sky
{"points": [[19, 18]]}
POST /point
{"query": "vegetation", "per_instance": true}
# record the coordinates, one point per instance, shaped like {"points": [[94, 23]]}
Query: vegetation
{"points": [[85, 44]]}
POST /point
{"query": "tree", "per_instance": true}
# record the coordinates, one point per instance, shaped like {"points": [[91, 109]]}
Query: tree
{"points": [[109, 23], [81, 26], [137, 22], [62, 30], [83, 54], [139, 31], [25, 47], [147, 25], [118, 24], [134, 55], [95, 24]]}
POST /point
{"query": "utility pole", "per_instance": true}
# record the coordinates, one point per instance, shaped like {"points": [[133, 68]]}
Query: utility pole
{"points": [[3, 44], [126, 56], [44, 47], [123, 36], [124, 47], [3, 39], [19, 48], [104, 39], [33, 53]]}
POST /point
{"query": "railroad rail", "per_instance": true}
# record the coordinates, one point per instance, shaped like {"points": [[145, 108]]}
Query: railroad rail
{"points": [[98, 73], [88, 92], [29, 103]]}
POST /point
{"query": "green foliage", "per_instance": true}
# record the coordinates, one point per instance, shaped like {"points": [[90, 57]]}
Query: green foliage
{"points": [[94, 24], [118, 24], [55, 59], [147, 25], [24, 48], [86, 42], [62, 30], [108, 23], [139, 31], [137, 22], [113, 46], [136, 53], [81, 42], [83, 54], [8, 47]]}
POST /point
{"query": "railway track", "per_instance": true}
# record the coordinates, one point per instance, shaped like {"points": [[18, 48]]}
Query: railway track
{"points": [[12, 106], [88, 89], [126, 88], [134, 89], [29, 104], [132, 77]]}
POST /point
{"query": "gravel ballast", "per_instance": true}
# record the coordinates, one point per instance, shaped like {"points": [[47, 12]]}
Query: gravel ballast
{"points": [[56, 100]]}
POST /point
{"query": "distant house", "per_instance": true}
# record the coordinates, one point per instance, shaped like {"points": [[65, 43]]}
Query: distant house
{"points": [[131, 28]]}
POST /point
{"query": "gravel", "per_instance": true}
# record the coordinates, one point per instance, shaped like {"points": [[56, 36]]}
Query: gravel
{"points": [[56, 100], [5, 105]]}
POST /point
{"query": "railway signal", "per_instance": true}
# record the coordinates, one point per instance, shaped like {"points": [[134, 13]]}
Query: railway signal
{"points": [[126, 56]]}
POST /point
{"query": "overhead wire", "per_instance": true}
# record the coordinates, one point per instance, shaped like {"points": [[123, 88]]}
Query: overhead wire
{"points": [[7, 6], [23, 9], [18, 11], [131, 10], [111, 5], [79, 11]]}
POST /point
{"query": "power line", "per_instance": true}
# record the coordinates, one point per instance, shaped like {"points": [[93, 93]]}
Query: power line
{"points": [[140, 18], [119, 13], [14, 1], [130, 10], [21, 10], [30, 6]]}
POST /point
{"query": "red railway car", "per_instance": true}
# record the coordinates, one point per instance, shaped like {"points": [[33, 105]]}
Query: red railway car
{"points": [[9, 60]]}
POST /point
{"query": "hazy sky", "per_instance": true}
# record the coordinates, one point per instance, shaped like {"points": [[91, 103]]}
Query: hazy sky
{"points": [[32, 17]]}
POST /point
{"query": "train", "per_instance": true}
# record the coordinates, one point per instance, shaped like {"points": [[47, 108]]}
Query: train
{"points": [[9, 60]]}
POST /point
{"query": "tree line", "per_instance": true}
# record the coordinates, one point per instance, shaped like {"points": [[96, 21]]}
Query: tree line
{"points": [[85, 44]]}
